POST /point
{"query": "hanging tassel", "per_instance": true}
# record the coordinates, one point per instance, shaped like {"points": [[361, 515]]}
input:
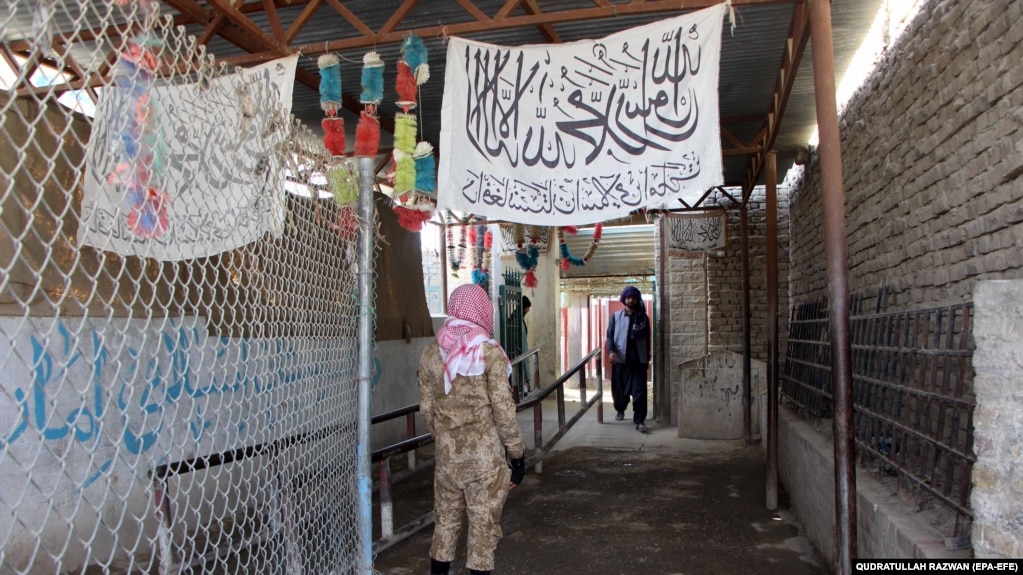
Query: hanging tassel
{"points": [[344, 185], [411, 219], [413, 51], [528, 258], [405, 173], [426, 168], [598, 232], [372, 79], [405, 133], [148, 218], [367, 135], [330, 83], [347, 224], [530, 279], [406, 87], [334, 135]]}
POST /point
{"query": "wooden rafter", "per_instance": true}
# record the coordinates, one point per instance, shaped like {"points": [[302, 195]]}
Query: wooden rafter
{"points": [[795, 45], [503, 20]]}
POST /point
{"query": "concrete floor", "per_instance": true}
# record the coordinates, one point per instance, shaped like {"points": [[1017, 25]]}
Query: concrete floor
{"points": [[613, 501]]}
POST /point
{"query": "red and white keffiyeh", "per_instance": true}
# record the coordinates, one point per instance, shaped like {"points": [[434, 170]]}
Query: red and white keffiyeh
{"points": [[468, 326]]}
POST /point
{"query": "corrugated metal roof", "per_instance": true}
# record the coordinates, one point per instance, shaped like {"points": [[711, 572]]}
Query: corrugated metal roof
{"points": [[750, 58], [622, 251]]}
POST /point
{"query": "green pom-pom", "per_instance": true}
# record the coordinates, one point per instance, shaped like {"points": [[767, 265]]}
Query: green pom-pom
{"points": [[405, 175], [344, 185]]}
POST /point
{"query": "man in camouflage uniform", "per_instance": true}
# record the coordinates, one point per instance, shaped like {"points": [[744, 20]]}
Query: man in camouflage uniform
{"points": [[467, 405]]}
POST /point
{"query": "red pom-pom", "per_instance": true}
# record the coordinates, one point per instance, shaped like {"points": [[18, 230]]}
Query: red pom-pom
{"points": [[565, 264], [570, 230], [367, 135], [406, 87], [410, 219], [334, 135], [598, 231], [488, 240], [346, 225], [530, 279]]}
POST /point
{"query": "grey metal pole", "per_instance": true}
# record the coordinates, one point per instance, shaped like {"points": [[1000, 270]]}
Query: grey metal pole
{"points": [[365, 360], [833, 200]]}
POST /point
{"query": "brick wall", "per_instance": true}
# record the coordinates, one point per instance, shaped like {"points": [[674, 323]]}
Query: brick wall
{"points": [[725, 280], [704, 293], [932, 148]]}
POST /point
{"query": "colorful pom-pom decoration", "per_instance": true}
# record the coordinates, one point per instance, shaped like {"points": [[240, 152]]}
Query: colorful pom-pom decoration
{"points": [[344, 185], [330, 83], [372, 79], [413, 51], [346, 226], [405, 133], [412, 219], [426, 168], [406, 87], [405, 173], [367, 135], [148, 217], [334, 135], [529, 280]]}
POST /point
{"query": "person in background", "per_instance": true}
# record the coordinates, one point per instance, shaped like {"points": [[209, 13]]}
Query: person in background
{"points": [[628, 350], [467, 406], [526, 304]]}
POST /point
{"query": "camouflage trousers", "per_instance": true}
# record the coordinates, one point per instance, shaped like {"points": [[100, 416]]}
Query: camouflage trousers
{"points": [[478, 494]]}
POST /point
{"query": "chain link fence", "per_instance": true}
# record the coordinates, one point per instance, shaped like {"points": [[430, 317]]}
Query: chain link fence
{"points": [[178, 309]]}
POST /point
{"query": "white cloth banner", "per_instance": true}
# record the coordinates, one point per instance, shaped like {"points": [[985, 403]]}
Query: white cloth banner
{"points": [[698, 232], [583, 132], [220, 141]]}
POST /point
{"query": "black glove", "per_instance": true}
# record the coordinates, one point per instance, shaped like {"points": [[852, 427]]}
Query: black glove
{"points": [[518, 467]]}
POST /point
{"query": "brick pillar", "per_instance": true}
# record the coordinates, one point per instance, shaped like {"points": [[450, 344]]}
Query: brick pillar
{"points": [[998, 419]]}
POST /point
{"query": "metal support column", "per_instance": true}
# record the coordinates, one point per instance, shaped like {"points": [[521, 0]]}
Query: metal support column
{"points": [[662, 408], [771, 172], [367, 229], [747, 370], [833, 200]]}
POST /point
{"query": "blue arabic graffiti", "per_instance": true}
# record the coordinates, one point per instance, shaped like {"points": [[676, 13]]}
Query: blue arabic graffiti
{"points": [[138, 387]]}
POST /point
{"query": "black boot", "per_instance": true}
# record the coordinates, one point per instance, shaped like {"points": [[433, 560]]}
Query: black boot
{"points": [[439, 567], [475, 572]]}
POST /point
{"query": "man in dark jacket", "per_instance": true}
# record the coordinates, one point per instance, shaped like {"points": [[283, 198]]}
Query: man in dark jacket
{"points": [[628, 350]]}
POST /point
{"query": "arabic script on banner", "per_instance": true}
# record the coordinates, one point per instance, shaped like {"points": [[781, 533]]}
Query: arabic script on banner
{"points": [[219, 170], [583, 132], [705, 232]]}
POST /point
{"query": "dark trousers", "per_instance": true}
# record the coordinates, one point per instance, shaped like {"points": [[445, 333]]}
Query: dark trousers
{"points": [[628, 381]]}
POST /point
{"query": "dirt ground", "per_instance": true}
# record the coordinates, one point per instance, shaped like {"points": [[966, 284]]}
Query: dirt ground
{"points": [[692, 511]]}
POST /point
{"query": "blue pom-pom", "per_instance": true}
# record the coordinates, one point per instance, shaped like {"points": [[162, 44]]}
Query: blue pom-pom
{"points": [[372, 85], [330, 87], [528, 259], [414, 52], [426, 174]]}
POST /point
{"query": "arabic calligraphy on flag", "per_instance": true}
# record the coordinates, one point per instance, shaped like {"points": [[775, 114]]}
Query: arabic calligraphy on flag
{"points": [[586, 131]]}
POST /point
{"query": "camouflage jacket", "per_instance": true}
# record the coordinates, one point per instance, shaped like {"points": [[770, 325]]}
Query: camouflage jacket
{"points": [[475, 421]]}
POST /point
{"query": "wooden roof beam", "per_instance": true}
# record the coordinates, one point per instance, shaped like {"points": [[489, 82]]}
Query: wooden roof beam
{"points": [[795, 45], [502, 21]]}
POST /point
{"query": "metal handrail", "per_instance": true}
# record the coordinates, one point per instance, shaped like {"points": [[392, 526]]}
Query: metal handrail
{"points": [[388, 535]]}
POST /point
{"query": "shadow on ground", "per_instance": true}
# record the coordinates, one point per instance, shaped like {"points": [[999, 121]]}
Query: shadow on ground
{"points": [[697, 509]]}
